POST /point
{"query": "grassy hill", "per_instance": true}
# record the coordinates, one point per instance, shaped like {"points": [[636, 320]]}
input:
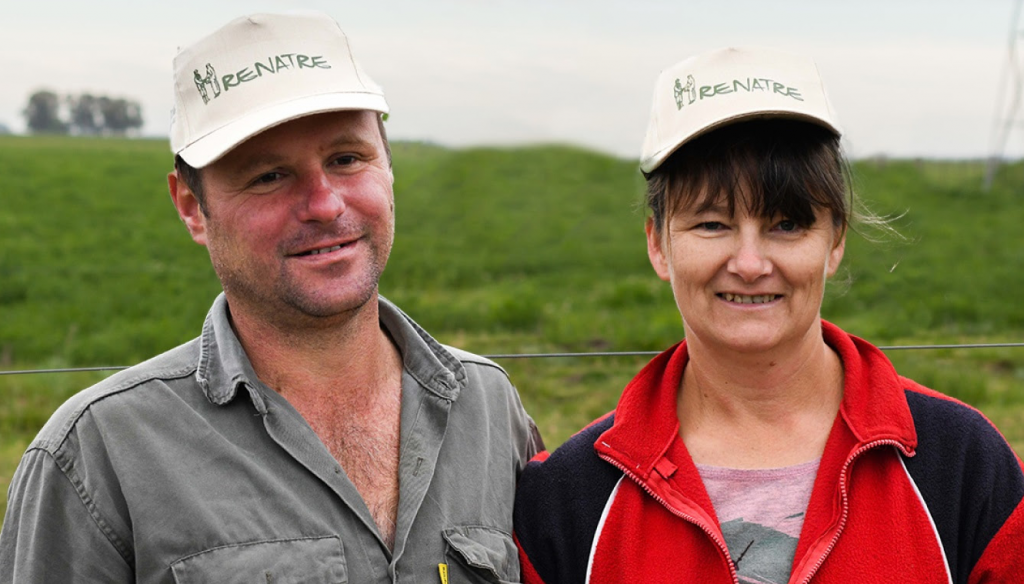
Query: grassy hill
{"points": [[497, 251]]}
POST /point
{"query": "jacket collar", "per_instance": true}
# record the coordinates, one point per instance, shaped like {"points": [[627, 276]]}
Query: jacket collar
{"points": [[874, 402], [646, 425], [223, 366]]}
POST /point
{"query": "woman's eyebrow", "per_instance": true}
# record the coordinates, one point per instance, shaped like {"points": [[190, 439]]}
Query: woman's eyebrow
{"points": [[715, 207]]}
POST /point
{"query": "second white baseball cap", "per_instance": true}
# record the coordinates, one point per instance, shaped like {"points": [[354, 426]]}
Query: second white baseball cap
{"points": [[725, 86]]}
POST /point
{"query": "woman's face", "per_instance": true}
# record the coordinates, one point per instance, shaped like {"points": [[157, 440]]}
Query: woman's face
{"points": [[744, 283]]}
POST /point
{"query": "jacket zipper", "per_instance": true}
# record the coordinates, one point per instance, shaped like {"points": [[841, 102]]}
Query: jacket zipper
{"points": [[721, 544], [846, 504]]}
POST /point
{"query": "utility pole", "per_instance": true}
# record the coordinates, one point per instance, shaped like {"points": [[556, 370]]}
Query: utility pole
{"points": [[1008, 106]]}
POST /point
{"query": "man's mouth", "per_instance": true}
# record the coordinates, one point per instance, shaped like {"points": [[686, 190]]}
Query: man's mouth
{"points": [[743, 299], [313, 252]]}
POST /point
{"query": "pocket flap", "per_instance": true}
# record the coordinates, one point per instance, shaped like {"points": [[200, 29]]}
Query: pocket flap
{"points": [[485, 548], [318, 560]]}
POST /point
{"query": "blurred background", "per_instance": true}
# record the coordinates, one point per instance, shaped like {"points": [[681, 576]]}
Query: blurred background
{"points": [[516, 127], [908, 77]]}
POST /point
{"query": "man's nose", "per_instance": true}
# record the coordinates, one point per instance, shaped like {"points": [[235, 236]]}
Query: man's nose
{"points": [[324, 199]]}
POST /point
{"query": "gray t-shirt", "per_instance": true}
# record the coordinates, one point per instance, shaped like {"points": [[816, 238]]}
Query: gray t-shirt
{"points": [[186, 468]]}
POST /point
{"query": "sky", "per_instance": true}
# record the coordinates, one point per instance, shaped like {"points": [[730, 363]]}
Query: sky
{"points": [[908, 78]]}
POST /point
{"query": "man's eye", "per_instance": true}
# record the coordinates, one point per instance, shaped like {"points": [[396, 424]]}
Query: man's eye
{"points": [[267, 178], [345, 160]]}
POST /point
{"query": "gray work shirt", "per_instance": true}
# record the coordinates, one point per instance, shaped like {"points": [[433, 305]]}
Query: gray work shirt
{"points": [[186, 468]]}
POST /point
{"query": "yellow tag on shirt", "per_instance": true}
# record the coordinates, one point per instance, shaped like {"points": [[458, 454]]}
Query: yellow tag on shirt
{"points": [[442, 569]]}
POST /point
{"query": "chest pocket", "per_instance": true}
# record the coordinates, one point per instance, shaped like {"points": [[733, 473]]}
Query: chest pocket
{"points": [[286, 561], [481, 555]]}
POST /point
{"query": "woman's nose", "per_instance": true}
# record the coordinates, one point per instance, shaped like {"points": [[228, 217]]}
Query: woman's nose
{"points": [[750, 260]]}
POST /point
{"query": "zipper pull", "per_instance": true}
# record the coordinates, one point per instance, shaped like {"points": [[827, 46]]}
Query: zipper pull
{"points": [[665, 468]]}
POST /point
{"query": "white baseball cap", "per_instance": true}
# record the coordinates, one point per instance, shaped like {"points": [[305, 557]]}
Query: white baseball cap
{"points": [[725, 86], [259, 71]]}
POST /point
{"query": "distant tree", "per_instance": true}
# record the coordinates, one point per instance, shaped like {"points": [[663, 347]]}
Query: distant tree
{"points": [[120, 116], [88, 114], [86, 118], [42, 115]]}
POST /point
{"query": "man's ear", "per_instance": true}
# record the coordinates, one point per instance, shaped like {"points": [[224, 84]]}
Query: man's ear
{"points": [[188, 207], [654, 250]]}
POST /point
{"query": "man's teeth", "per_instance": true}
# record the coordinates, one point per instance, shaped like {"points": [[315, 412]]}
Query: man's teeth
{"points": [[324, 250], [740, 299]]}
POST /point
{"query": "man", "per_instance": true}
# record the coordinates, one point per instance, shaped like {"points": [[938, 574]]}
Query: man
{"points": [[313, 432]]}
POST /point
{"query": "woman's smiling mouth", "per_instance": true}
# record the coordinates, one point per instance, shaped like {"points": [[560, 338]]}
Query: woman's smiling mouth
{"points": [[744, 299]]}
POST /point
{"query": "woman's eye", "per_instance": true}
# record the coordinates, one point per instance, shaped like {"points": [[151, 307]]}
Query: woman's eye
{"points": [[788, 225], [710, 226]]}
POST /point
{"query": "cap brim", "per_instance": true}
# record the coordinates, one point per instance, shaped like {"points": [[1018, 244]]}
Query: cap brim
{"points": [[217, 143], [651, 163]]}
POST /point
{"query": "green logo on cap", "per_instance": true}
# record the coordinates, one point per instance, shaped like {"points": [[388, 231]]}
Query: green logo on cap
{"points": [[210, 80], [271, 65], [689, 91], [692, 93]]}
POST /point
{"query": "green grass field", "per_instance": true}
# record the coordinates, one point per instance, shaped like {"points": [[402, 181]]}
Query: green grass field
{"points": [[498, 251]]}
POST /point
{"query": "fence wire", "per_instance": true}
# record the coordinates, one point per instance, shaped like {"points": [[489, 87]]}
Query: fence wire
{"points": [[499, 356]]}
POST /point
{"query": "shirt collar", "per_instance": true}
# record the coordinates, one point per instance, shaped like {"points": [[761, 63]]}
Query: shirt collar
{"points": [[224, 367], [436, 369]]}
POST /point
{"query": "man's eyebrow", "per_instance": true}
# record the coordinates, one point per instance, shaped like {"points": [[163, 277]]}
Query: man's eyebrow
{"points": [[348, 139], [258, 161], [262, 160]]}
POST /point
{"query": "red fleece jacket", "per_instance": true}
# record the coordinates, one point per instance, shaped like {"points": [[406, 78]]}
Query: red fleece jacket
{"points": [[913, 487]]}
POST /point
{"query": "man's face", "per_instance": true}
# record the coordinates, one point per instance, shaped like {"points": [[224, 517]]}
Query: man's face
{"points": [[300, 218]]}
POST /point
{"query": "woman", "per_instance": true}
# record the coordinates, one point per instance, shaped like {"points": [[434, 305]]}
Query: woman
{"points": [[769, 446]]}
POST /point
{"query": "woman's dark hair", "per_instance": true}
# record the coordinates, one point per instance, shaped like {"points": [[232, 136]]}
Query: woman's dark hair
{"points": [[777, 168]]}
